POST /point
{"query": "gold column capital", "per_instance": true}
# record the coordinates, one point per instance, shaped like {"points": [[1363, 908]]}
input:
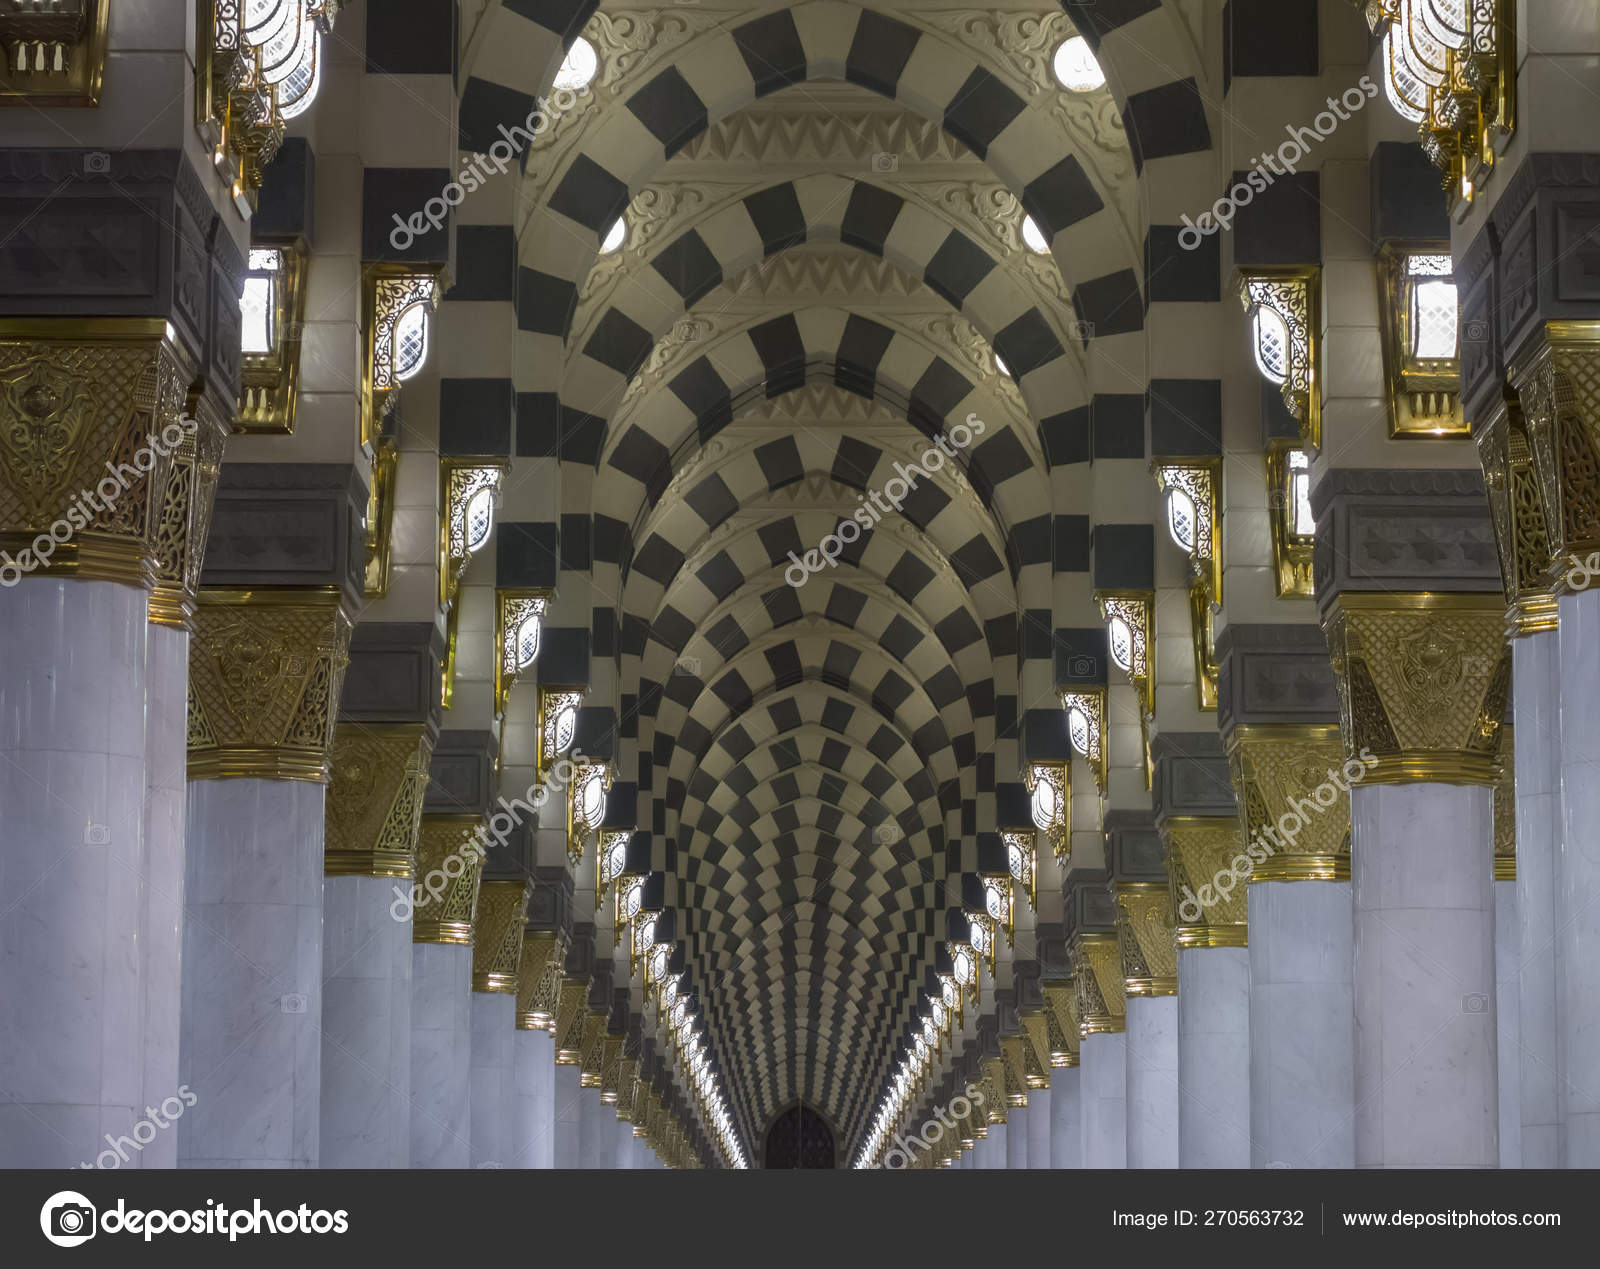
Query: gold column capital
{"points": [[1518, 512], [92, 411], [1557, 380], [377, 775], [611, 1069], [1061, 1015], [1275, 770], [1207, 888], [1013, 1049], [1147, 939], [184, 522], [592, 1055], [627, 1089], [1101, 991], [265, 670], [498, 929], [994, 1090], [1036, 1030], [449, 868], [571, 1014], [1423, 680], [539, 980]]}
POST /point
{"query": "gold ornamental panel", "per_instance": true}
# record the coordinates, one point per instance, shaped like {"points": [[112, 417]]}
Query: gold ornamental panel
{"points": [[993, 1083], [498, 930], [571, 1015], [1147, 938], [449, 869], [265, 670], [1207, 871], [611, 1069], [627, 1089], [184, 523], [1423, 681], [1037, 1029], [1061, 1017], [1101, 991], [1517, 510], [1014, 1052], [91, 414], [539, 980], [592, 1054], [378, 774], [1289, 834]]}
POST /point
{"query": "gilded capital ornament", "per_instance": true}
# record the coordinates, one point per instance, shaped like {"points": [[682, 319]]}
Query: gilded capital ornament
{"points": [[591, 1057], [265, 670], [611, 1068], [539, 980], [1505, 809], [377, 777], [92, 412], [1147, 939], [1287, 831], [449, 868], [627, 1091], [184, 522], [1517, 510], [1061, 1020], [571, 1016], [1558, 383], [995, 1098], [1423, 680], [498, 932], [1101, 990], [1207, 869], [1037, 1031]]}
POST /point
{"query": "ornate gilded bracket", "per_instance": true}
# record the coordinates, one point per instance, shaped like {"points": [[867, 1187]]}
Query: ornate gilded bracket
{"points": [[1192, 490], [256, 67], [1276, 771], [1284, 309], [555, 726], [539, 980], [1099, 982], [378, 774], [1289, 508], [1130, 617], [1521, 536], [1421, 353], [397, 301], [1086, 729], [498, 934], [1207, 896], [274, 312], [1147, 939], [185, 521], [586, 805], [468, 489], [519, 618], [379, 533], [450, 857], [1020, 861], [1049, 786], [54, 55]]}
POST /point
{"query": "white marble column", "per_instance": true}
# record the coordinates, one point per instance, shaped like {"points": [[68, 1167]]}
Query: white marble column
{"points": [[366, 1024], [441, 1055], [534, 1068], [598, 1143], [1040, 1110], [1017, 1132], [643, 1156], [992, 1150], [624, 1145], [568, 1149], [1302, 1025], [1214, 1057], [1066, 1125], [1508, 1012], [74, 1047], [1536, 707], [1425, 1073], [252, 983], [166, 783], [1577, 882], [1104, 1104], [493, 1087], [1152, 1081]]}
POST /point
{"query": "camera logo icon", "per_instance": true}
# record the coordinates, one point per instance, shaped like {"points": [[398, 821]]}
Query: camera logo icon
{"points": [[97, 163], [1474, 331], [883, 163], [1474, 1002], [1080, 666], [1083, 331], [96, 835], [67, 1219]]}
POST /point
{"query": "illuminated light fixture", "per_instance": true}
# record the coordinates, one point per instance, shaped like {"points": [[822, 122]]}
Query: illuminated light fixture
{"points": [[1034, 237], [468, 489], [1021, 864], [1284, 308], [1421, 346], [1193, 495], [586, 805], [1086, 729], [1449, 68], [396, 301], [578, 68], [964, 968], [614, 236], [1130, 632], [999, 905], [1293, 526], [54, 55], [519, 620], [272, 312], [981, 936], [556, 726], [1000, 365], [1049, 786], [1076, 68], [611, 860]]}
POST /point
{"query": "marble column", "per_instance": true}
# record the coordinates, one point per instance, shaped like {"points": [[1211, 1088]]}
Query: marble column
{"points": [[1040, 1112], [449, 870], [88, 943], [496, 962], [1066, 1127], [1577, 884], [567, 1147], [1426, 670], [1017, 1134], [1536, 705], [571, 1016], [993, 1150], [259, 755], [1148, 946], [1104, 1105], [374, 810], [534, 1054], [624, 1145]]}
